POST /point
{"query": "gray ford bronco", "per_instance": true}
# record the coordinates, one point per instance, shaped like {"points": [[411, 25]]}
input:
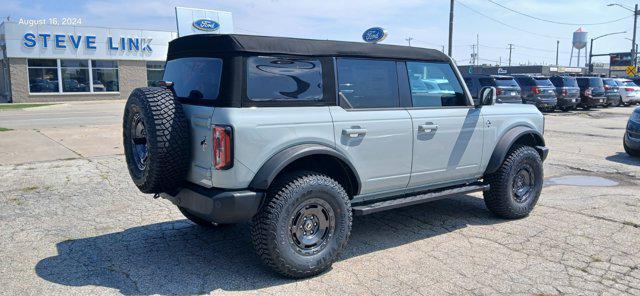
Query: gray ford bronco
{"points": [[297, 136]]}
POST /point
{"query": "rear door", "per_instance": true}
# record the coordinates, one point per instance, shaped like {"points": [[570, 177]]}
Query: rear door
{"points": [[371, 127], [447, 129]]}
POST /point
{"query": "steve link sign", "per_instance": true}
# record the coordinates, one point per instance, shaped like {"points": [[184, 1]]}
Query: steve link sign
{"points": [[62, 41]]}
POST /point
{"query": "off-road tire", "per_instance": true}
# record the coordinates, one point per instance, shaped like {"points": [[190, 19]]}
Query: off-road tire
{"points": [[270, 228], [167, 139], [197, 220], [631, 152], [500, 198]]}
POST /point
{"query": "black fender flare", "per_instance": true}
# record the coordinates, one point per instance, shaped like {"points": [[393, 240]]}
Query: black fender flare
{"points": [[272, 167], [507, 141]]}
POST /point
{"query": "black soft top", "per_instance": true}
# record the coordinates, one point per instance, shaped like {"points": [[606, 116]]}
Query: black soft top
{"points": [[229, 45]]}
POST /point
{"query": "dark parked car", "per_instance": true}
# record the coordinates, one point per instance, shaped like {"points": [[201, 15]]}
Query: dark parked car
{"points": [[507, 89], [632, 136], [591, 92], [612, 92], [567, 92], [537, 90]]}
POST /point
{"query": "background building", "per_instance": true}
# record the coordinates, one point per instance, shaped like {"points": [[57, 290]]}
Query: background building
{"points": [[43, 63]]}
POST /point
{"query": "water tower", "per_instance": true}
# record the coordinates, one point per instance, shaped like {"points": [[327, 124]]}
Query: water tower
{"points": [[579, 43]]}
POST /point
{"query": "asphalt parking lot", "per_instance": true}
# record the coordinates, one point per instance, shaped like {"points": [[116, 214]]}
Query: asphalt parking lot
{"points": [[73, 223]]}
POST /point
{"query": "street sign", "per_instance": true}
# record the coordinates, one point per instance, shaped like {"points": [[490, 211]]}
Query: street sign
{"points": [[631, 71]]}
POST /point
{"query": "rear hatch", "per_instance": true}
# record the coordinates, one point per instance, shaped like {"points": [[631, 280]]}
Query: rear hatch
{"points": [[546, 89], [196, 83], [507, 89], [597, 87]]}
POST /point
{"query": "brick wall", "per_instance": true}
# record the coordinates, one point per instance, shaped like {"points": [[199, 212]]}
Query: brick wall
{"points": [[131, 74]]}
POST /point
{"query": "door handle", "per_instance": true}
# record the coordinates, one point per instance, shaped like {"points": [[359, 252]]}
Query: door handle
{"points": [[354, 132], [427, 128]]}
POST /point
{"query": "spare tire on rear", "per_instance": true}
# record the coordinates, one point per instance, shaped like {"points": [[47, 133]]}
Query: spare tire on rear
{"points": [[156, 140]]}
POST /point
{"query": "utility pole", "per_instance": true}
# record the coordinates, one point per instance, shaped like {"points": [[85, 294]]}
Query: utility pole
{"points": [[409, 40], [510, 48], [557, 51], [634, 51], [451, 27], [478, 48]]}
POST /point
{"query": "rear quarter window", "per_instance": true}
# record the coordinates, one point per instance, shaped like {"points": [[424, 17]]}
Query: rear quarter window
{"points": [[195, 78], [272, 78]]}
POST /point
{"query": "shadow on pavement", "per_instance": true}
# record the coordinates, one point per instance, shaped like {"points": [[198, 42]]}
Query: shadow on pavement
{"points": [[177, 257], [624, 158]]}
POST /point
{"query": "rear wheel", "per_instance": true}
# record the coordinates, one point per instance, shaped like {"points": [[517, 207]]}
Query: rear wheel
{"points": [[515, 188], [304, 225], [586, 107]]}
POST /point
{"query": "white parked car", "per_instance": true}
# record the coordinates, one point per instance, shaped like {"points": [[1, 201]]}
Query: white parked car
{"points": [[629, 91]]}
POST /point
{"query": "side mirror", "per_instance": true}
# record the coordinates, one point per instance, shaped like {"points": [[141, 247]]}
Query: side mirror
{"points": [[487, 96]]}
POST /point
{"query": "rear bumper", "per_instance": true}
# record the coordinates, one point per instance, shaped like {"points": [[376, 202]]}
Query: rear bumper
{"points": [[568, 102], [543, 102], [218, 205], [593, 101]]}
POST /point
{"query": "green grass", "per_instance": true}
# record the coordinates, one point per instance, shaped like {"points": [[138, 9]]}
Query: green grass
{"points": [[13, 106], [4, 129]]}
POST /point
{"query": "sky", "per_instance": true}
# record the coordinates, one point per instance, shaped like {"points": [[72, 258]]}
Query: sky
{"points": [[426, 21]]}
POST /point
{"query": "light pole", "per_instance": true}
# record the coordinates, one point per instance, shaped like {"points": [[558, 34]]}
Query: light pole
{"points": [[450, 28], [591, 47], [634, 50], [636, 45]]}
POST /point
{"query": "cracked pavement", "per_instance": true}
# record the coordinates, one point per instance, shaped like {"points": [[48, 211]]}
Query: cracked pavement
{"points": [[79, 226]]}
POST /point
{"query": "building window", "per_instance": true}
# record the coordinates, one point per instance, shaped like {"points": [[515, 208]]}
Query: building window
{"points": [[75, 76], [155, 71], [43, 76], [105, 76]]}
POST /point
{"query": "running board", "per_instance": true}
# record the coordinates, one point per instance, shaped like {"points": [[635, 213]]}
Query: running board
{"points": [[416, 199]]}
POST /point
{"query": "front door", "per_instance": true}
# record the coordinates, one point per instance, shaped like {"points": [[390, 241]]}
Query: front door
{"points": [[370, 127], [447, 129]]}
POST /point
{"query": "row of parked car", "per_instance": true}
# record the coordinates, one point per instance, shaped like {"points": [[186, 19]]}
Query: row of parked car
{"points": [[558, 92]]}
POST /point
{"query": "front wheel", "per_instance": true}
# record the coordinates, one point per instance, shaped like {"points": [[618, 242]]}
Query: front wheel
{"points": [[304, 225], [515, 188]]}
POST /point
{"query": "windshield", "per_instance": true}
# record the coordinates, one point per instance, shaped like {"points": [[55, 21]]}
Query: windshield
{"points": [[543, 81], [506, 82], [194, 78]]}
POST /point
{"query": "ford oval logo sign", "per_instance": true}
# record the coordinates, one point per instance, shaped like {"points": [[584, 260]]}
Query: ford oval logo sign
{"points": [[206, 25], [374, 35]]}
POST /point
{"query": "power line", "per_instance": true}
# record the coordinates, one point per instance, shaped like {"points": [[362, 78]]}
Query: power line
{"points": [[508, 25], [557, 22]]}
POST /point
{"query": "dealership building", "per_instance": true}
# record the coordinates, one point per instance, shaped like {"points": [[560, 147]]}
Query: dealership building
{"points": [[44, 63]]}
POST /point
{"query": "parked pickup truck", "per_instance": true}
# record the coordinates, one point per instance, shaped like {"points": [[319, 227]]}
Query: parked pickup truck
{"points": [[298, 136]]}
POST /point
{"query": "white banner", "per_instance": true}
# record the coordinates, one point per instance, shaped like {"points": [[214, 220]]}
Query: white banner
{"points": [[203, 21]]}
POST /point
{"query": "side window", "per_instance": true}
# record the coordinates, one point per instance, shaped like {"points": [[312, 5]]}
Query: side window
{"points": [[271, 78], [434, 85], [195, 78], [368, 83]]}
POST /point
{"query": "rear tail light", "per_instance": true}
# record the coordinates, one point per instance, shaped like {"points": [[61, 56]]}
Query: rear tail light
{"points": [[565, 93], [222, 147], [498, 91], [535, 90], [628, 89], [606, 87], [587, 92]]}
